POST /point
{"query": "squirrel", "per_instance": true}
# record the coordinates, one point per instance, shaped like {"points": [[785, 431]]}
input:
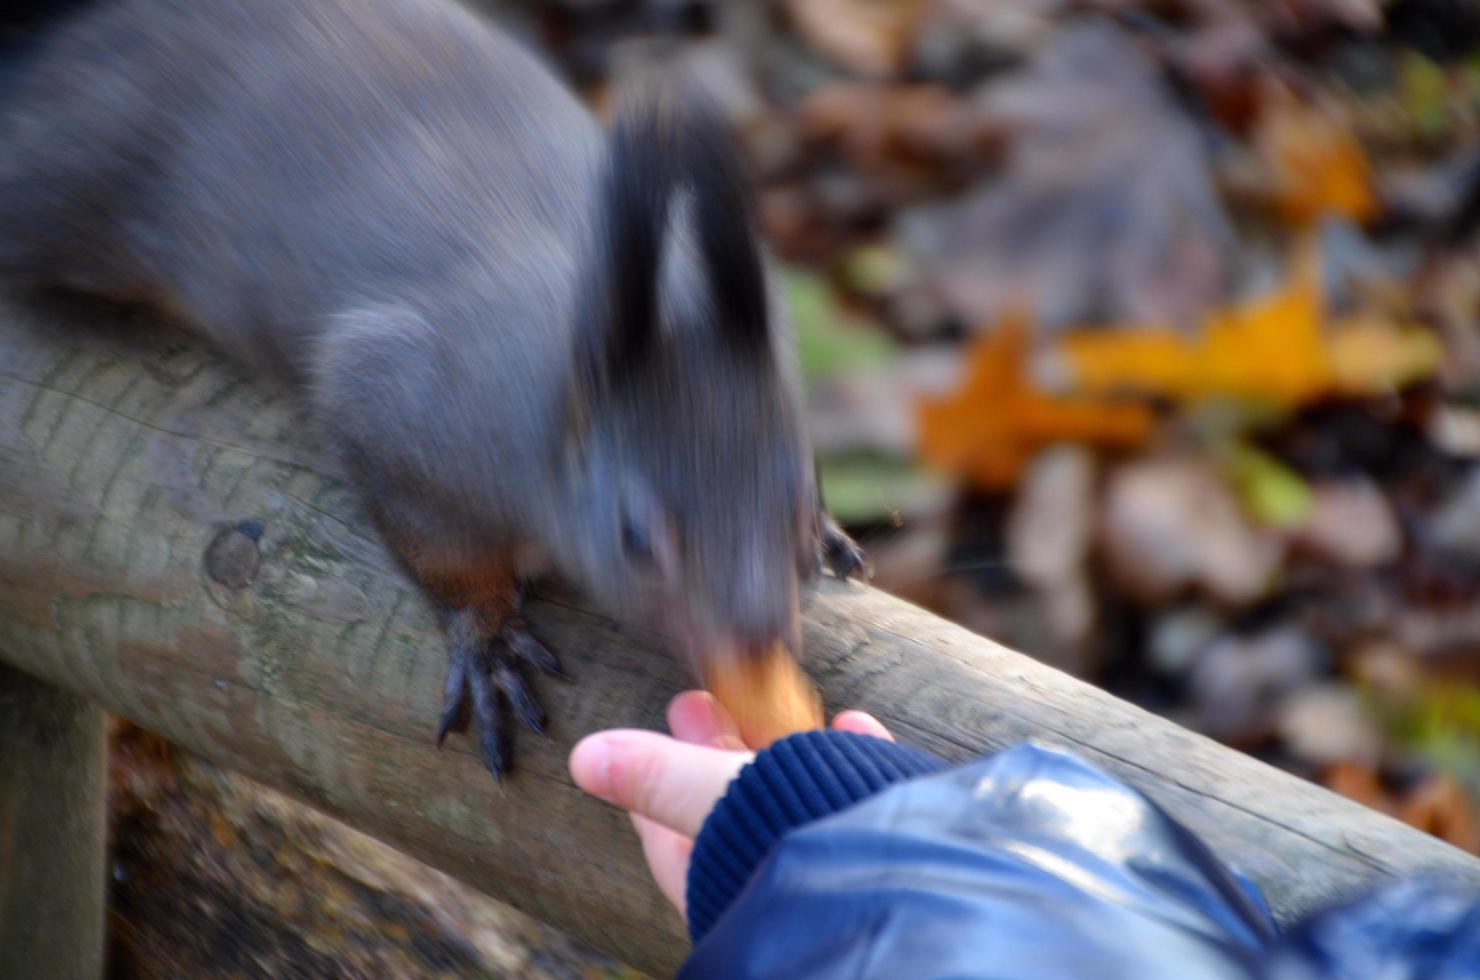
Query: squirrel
{"points": [[533, 344]]}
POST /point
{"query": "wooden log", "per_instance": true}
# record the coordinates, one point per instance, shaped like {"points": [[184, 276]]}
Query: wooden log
{"points": [[215, 875], [173, 545], [53, 789]]}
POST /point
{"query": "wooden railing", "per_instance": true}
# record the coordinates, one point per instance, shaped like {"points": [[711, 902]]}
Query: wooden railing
{"points": [[175, 549]]}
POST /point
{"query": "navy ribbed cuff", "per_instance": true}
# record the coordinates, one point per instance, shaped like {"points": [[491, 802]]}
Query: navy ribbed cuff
{"points": [[800, 779]]}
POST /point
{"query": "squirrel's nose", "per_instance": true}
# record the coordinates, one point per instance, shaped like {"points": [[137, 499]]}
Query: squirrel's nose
{"points": [[769, 619], [761, 594]]}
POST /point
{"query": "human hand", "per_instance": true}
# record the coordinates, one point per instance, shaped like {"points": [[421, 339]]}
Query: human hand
{"points": [[668, 785]]}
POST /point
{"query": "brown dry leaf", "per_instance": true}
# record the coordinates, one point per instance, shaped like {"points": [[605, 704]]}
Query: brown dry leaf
{"points": [[889, 129], [1277, 348], [992, 426], [1104, 207], [1170, 522], [871, 37], [1312, 161], [1358, 781], [1351, 524], [1439, 806], [1450, 291], [1286, 17]]}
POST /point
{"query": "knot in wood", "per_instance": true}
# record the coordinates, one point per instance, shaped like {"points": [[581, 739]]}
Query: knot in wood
{"points": [[232, 556]]}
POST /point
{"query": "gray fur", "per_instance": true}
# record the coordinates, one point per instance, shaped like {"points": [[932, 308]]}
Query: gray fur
{"points": [[394, 206]]}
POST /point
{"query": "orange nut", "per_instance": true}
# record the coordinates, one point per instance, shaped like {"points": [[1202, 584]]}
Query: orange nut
{"points": [[769, 697]]}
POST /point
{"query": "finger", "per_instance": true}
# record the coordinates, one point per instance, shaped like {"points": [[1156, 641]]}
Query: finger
{"points": [[667, 854], [672, 782], [860, 723], [695, 716]]}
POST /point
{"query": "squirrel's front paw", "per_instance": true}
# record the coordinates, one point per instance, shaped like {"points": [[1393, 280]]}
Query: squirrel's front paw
{"points": [[482, 677], [840, 554]]}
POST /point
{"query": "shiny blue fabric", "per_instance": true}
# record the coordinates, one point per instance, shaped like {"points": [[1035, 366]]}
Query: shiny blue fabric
{"points": [[1034, 864]]}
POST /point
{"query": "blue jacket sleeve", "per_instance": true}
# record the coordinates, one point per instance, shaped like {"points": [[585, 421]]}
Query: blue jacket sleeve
{"points": [[840, 856]]}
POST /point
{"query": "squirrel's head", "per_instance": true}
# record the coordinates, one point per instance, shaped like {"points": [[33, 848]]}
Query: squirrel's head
{"points": [[684, 439]]}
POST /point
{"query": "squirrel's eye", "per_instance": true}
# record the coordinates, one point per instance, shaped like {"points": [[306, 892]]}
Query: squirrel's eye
{"points": [[636, 545]]}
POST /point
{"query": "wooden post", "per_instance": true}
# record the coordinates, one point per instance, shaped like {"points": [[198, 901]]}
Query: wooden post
{"points": [[53, 831], [173, 545]]}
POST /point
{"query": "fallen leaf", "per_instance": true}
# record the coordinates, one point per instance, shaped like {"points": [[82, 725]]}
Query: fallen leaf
{"points": [[1358, 781], [1456, 430], [1310, 16], [989, 429], [1454, 524], [1439, 806], [874, 271], [865, 489], [1276, 348], [1268, 348], [875, 412], [1272, 493], [1240, 684], [1368, 355], [1172, 523], [919, 132], [1313, 164], [1350, 523], [1325, 723], [962, 41], [1425, 93], [1051, 524], [871, 37], [1450, 292], [1104, 208], [830, 340]]}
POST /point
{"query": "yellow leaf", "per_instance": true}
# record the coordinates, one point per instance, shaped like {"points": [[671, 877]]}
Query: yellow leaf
{"points": [[1275, 349], [1369, 355], [1270, 349]]}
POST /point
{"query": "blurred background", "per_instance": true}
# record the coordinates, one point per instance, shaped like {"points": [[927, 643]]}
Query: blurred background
{"points": [[1143, 337]]}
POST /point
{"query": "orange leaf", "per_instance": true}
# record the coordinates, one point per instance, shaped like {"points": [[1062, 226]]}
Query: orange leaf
{"points": [[991, 427], [1314, 164]]}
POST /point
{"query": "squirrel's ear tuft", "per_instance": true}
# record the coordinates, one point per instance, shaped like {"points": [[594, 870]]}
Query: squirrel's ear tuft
{"points": [[727, 231], [725, 223], [663, 142], [635, 196]]}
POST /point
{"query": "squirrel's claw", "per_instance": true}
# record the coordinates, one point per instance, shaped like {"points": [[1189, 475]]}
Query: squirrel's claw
{"points": [[490, 722], [476, 677], [469, 694], [524, 646], [517, 693], [839, 553], [454, 700]]}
